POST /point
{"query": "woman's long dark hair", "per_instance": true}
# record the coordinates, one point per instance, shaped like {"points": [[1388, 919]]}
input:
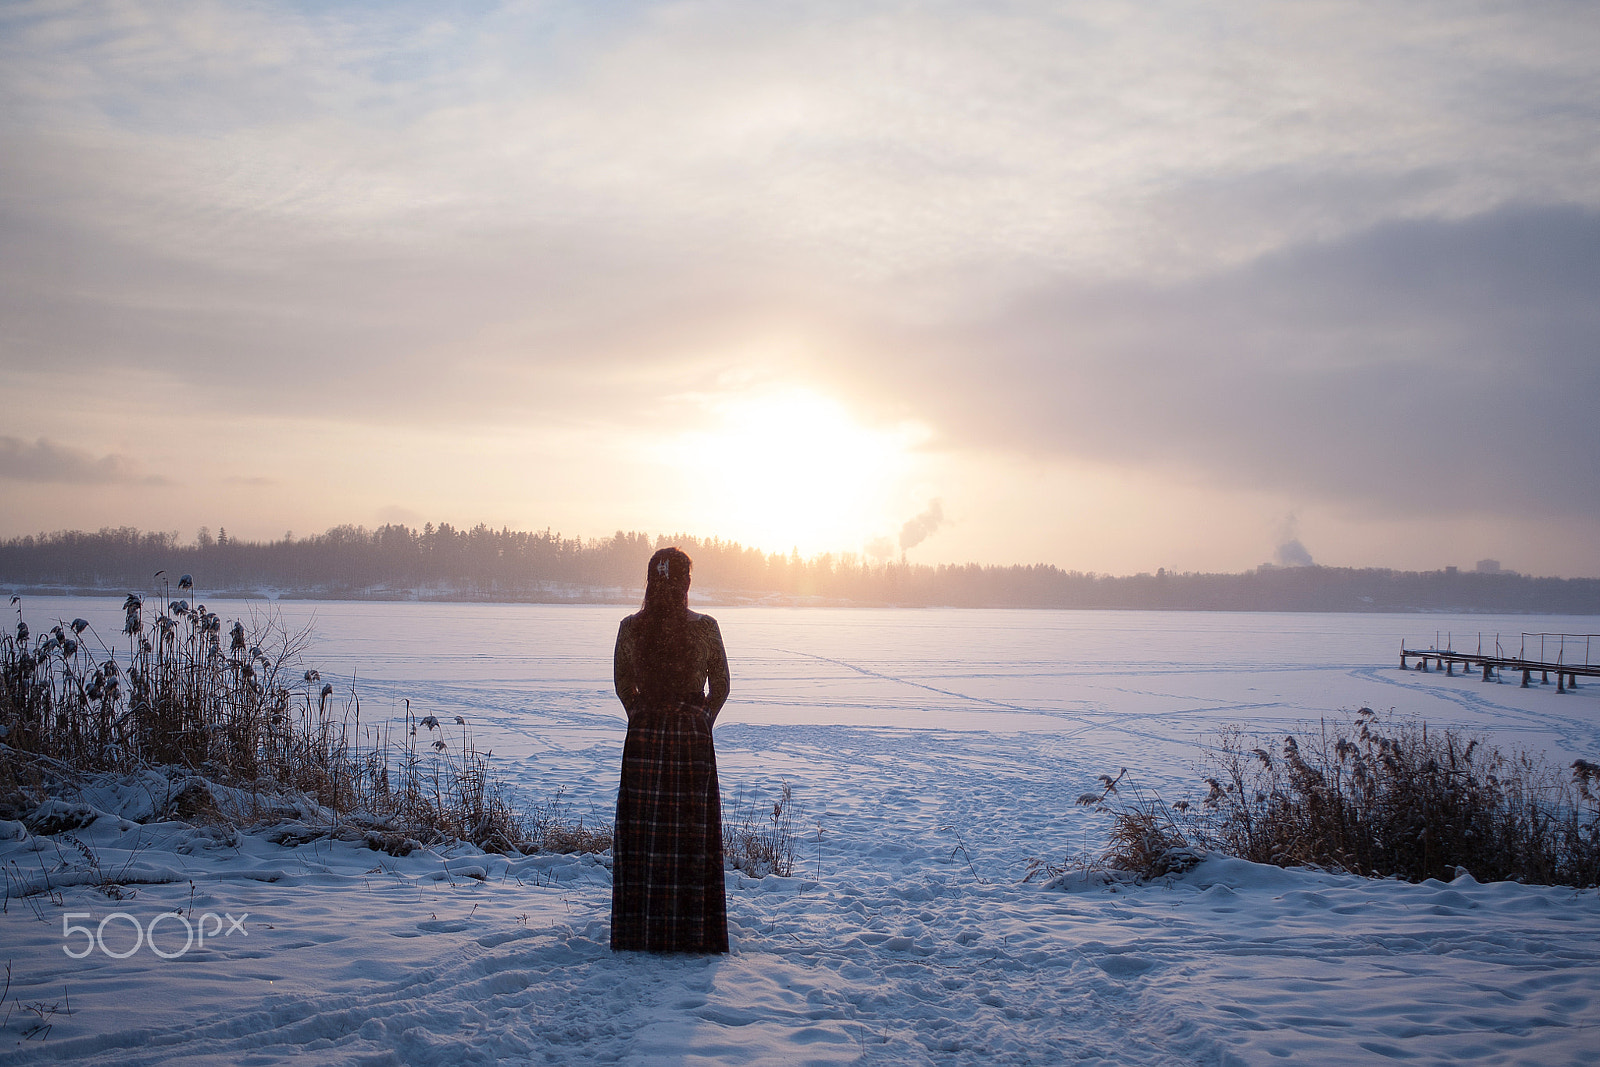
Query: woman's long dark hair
{"points": [[665, 651], [666, 584]]}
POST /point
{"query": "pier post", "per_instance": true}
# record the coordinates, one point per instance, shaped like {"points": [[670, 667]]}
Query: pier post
{"points": [[1561, 681], [1525, 674], [1403, 664], [1450, 668], [1544, 677], [1486, 669]]}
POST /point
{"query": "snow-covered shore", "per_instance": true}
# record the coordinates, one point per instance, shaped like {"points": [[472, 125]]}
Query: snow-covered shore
{"points": [[884, 947], [906, 934]]}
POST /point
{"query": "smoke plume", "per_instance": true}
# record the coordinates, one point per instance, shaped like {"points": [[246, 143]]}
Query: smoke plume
{"points": [[1290, 552], [881, 548], [919, 529]]}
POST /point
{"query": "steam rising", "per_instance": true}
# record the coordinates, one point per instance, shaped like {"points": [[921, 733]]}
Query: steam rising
{"points": [[881, 548], [1290, 552], [919, 529]]}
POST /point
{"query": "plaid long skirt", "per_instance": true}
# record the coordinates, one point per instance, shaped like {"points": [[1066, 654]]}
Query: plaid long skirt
{"points": [[666, 870]]}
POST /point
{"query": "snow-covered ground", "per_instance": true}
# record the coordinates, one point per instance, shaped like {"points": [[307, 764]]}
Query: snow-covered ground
{"points": [[932, 754]]}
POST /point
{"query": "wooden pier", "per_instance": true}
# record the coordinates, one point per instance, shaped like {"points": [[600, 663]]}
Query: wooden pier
{"points": [[1541, 654]]}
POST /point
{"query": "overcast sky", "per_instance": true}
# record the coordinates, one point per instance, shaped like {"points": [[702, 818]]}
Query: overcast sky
{"points": [[1115, 286]]}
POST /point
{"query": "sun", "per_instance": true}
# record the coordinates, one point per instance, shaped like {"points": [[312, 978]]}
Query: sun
{"points": [[790, 467]]}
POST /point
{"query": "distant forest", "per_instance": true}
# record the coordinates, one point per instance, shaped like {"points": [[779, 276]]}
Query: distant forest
{"points": [[445, 563]]}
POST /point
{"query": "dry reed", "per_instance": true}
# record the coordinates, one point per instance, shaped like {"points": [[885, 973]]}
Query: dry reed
{"points": [[1374, 796]]}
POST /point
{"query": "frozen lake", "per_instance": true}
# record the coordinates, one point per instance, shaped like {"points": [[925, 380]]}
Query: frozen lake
{"points": [[1099, 689]]}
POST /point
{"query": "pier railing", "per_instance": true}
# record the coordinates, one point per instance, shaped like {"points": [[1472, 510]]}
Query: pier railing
{"points": [[1567, 656]]}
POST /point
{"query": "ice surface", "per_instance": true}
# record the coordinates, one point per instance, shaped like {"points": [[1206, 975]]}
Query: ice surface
{"points": [[932, 753]]}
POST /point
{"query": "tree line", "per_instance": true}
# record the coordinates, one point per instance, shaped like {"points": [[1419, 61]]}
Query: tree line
{"points": [[446, 562]]}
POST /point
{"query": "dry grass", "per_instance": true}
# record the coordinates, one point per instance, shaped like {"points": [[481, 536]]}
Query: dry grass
{"points": [[1372, 796], [554, 827], [434, 786], [1145, 837], [760, 840], [235, 705], [1395, 798]]}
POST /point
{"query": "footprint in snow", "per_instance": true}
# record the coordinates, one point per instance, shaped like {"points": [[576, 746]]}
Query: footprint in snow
{"points": [[1125, 966]]}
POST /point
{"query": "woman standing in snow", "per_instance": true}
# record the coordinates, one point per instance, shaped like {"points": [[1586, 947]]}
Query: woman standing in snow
{"points": [[671, 675]]}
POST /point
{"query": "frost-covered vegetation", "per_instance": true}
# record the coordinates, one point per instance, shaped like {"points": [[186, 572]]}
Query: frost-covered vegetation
{"points": [[228, 713], [1374, 796]]}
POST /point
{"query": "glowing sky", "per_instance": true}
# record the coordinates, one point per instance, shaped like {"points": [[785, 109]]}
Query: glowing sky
{"points": [[1109, 285]]}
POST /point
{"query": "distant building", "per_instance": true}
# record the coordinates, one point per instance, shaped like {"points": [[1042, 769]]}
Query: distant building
{"points": [[1488, 566]]}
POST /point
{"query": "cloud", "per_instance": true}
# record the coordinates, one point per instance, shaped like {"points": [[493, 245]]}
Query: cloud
{"points": [[1262, 252], [1437, 366], [43, 461], [921, 527], [362, 198]]}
